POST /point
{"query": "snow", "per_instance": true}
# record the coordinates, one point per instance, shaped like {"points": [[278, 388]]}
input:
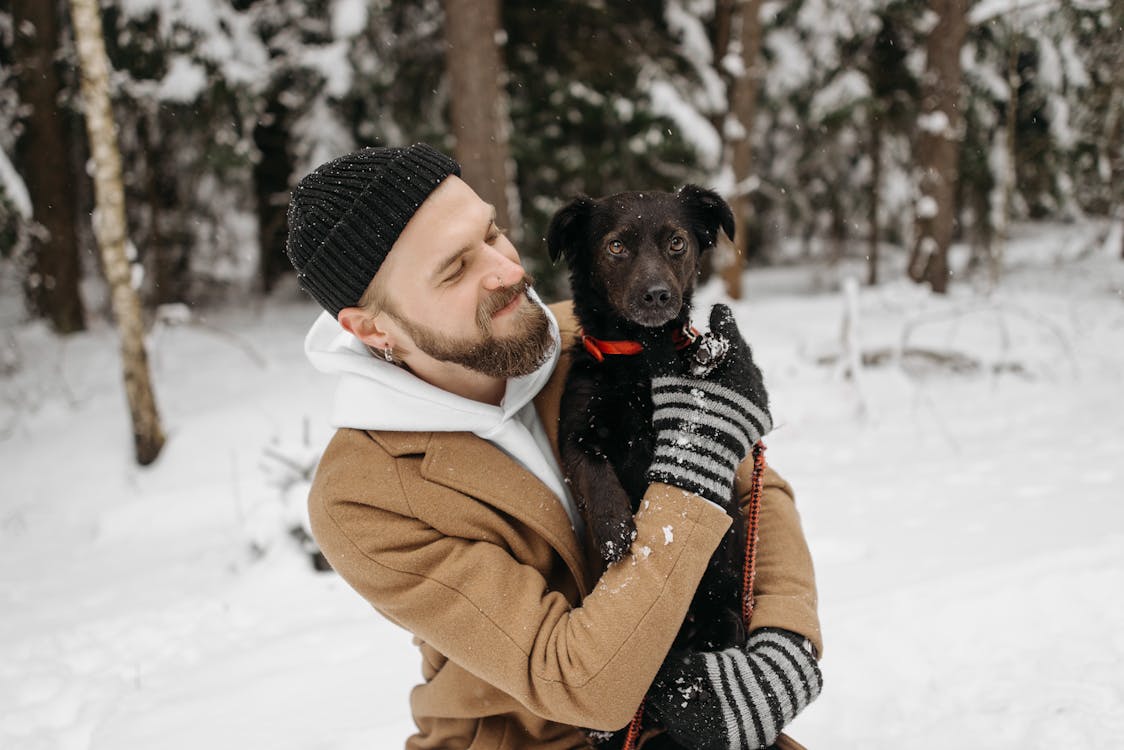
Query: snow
{"points": [[986, 11], [935, 122], [695, 129], [183, 82], [349, 18], [844, 91], [694, 44], [330, 60], [13, 186], [791, 66], [1049, 72], [967, 528], [1114, 240], [1075, 72], [228, 38], [322, 135], [1060, 126]]}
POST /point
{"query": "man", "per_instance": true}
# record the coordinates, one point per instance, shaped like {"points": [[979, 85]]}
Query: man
{"points": [[440, 498]]}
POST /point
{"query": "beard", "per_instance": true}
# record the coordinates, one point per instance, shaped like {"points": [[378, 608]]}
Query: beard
{"points": [[521, 352]]}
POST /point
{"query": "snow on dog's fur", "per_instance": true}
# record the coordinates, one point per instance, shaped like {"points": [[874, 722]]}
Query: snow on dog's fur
{"points": [[634, 259]]}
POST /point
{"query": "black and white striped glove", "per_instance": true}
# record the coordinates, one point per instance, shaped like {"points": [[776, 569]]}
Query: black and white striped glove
{"points": [[707, 421], [737, 698]]}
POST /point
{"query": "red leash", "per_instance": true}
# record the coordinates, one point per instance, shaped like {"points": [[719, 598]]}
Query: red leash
{"points": [[749, 571]]}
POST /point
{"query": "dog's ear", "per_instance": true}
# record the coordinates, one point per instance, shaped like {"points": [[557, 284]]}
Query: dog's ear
{"points": [[708, 212], [568, 228]]}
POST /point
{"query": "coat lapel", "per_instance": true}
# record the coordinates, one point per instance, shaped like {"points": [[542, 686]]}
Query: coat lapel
{"points": [[473, 466], [549, 400], [548, 403]]}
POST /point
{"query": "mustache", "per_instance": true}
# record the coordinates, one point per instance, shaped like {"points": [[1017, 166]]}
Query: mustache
{"points": [[500, 299]]}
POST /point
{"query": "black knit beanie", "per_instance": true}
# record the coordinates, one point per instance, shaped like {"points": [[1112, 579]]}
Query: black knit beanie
{"points": [[346, 214]]}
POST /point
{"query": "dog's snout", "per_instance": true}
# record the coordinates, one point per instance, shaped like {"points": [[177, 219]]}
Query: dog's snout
{"points": [[657, 295], [654, 303]]}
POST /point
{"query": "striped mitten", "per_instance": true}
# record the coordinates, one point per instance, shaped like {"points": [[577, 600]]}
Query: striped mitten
{"points": [[737, 698], [707, 422]]}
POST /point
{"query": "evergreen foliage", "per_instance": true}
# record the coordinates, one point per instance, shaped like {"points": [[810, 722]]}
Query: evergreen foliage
{"points": [[223, 104]]}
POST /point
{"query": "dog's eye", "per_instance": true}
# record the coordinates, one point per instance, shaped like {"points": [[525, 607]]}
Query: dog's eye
{"points": [[616, 247], [678, 244]]}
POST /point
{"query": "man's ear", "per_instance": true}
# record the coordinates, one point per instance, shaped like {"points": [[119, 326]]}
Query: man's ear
{"points": [[708, 212], [569, 228], [364, 326]]}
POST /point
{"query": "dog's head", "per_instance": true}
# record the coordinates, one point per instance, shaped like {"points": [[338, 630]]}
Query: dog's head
{"points": [[639, 252]]}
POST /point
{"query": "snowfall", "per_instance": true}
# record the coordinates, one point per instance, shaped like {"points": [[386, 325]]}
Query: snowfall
{"points": [[958, 463]]}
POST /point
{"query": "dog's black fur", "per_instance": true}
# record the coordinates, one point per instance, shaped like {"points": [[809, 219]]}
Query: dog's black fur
{"points": [[634, 259]]}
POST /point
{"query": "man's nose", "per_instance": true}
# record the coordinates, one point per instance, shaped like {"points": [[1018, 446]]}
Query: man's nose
{"points": [[504, 273]]}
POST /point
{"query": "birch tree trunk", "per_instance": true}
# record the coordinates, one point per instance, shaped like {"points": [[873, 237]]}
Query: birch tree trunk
{"points": [[479, 109], [739, 131], [939, 145], [109, 227], [51, 289]]}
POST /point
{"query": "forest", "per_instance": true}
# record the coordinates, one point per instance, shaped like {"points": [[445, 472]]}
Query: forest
{"points": [[883, 130]]}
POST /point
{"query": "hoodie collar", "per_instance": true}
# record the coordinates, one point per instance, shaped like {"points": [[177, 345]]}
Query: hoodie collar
{"points": [[373, 394]]}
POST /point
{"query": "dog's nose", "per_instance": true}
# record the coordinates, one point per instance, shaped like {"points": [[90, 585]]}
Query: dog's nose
{"points": [[657, 295]]}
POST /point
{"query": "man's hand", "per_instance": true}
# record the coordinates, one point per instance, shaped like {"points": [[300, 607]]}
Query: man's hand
{"points": [[706, 423], [737, 698]]}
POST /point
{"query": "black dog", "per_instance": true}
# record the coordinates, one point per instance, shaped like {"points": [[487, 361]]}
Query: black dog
{"points": [[634, 259]]}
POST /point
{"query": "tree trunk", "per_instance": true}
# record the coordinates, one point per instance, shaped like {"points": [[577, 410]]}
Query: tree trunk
{"points": [[271, 185], [1114, 128], [1010, 171], [109, 227], [479, 109], [938, 146], [720, 29], [875, 114], [743, 106], [51, 288]]}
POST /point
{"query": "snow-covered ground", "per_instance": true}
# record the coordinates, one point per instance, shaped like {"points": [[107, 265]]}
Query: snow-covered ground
{"points": [[962, 497]]}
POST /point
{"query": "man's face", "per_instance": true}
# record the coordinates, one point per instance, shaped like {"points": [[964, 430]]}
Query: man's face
{"points": [[455, 291]]}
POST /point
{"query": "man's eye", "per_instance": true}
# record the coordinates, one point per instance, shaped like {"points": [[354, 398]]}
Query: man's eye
{"points": [[494, 234], [456, 274]]}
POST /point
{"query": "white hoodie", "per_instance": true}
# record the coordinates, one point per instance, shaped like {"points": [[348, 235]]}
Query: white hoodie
{"points": [[373, 394]]}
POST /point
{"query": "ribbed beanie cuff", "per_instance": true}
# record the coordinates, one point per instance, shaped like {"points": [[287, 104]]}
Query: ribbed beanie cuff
{"points": [[345, 215]]}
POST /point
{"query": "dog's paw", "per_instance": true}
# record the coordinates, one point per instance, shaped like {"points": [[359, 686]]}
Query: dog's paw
{"points": [[615, 537]]}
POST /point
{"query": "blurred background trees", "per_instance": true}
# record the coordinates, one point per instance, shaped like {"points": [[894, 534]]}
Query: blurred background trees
{"points": [[878, 132]]}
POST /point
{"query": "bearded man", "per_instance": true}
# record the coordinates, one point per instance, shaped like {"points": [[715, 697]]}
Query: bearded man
{"points": [[440, 499]]}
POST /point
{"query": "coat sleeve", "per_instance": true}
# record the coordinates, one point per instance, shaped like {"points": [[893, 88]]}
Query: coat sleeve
{"points": [[496, 617], [785, 584]]}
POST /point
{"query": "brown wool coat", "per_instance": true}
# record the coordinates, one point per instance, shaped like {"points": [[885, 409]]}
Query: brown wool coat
{"points": [[447, 536]]}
